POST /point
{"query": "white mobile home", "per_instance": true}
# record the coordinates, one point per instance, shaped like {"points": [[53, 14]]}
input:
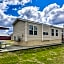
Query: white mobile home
{"points": [[34, 33]]}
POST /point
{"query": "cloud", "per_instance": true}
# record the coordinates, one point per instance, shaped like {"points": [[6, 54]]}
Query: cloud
{"points": [[6, 20], [15, 9], [16, 2], [24, 1], [52, 14], [3, 6], [30, 13], [33, 13]]}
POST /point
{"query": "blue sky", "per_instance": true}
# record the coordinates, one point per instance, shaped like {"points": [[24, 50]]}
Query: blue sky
{"points": [[45, 11]]}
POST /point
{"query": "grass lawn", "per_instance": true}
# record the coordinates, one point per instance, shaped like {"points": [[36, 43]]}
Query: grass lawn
{"points": [[46, 55]]}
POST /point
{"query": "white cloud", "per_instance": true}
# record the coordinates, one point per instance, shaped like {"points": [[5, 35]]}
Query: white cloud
{"points": [[52, 14], [24, 1], [30, 13], [51, 7], [6, 20], [14, 9], [3, 6], [16, 2]]}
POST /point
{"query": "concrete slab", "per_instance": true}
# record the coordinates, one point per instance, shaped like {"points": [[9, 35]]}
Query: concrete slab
{"points": [[15, 48]]}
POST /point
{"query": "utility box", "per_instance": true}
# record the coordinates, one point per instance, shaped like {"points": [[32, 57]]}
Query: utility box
{"points": [[2, 44]]}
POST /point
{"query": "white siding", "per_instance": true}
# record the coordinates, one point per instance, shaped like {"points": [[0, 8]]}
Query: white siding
{"points": [[19, 30], [47, 28]]}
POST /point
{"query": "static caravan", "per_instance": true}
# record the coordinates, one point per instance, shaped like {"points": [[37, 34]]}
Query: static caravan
{"points": [[30, 33]]}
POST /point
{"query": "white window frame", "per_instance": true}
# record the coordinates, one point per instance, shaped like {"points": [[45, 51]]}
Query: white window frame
{"points": [[33, 28], [57, 32], [52, 32]]}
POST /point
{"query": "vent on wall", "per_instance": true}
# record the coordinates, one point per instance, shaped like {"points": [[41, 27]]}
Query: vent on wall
{"points": [[17, 38]]}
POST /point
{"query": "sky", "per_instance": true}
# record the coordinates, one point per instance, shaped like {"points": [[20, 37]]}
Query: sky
{"points": [[45, 11]]}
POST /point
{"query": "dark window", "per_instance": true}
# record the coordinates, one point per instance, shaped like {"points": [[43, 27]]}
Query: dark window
{"points": [[45, 33], [30, 29], [56, 32], [30, 32], [52, 32], [35, 30]]}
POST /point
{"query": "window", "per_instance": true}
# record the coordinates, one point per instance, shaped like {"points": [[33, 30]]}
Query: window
{"points": [[35, 30], [31, 29], [52, 32], [56, 32], [45, 33]]}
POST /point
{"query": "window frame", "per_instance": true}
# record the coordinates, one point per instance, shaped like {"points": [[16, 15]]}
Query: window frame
{"points": [[45, 33], [56, 32], [30, 30], [52, 32], [34, 31]]}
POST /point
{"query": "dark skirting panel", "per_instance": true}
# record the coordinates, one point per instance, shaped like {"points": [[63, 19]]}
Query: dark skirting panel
{"points": [[5, 38]]}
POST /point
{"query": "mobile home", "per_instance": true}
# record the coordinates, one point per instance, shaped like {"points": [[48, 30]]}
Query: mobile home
{"points": [[30, 33]]}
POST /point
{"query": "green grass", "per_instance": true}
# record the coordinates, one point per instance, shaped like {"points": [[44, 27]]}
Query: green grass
{"points": [[46, 55]]}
